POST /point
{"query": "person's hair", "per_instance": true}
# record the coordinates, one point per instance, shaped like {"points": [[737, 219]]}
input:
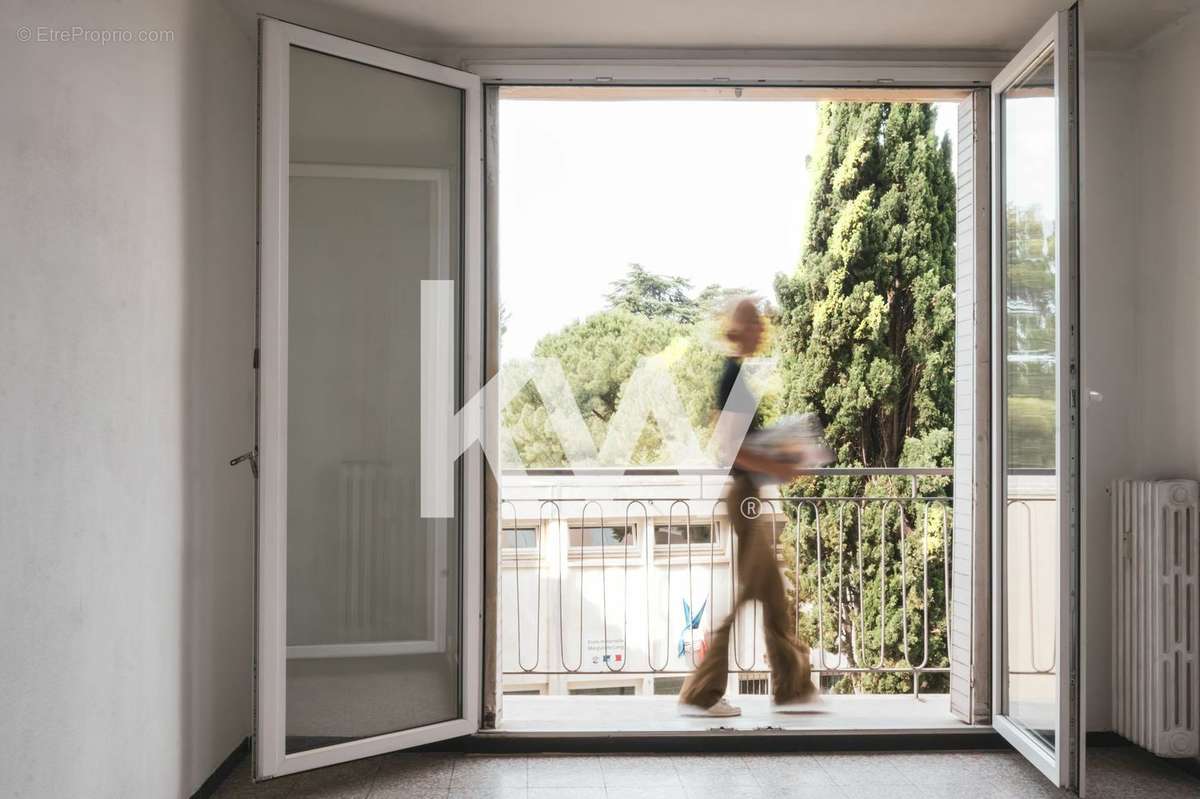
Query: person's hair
{"points": [[741, 312]]}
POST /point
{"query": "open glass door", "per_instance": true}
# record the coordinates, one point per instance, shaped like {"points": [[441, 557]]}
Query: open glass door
{"points": [[367, 626], [1036, 434]]}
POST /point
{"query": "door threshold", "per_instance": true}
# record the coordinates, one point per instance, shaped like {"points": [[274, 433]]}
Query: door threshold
{"points": [[721, 740]]}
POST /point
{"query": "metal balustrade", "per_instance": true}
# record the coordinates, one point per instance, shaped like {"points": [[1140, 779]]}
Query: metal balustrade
{"points": [[1024, 528], [630, 582]]}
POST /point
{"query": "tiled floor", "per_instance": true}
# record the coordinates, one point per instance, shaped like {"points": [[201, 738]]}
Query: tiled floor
{"points": [[1126, 773]]}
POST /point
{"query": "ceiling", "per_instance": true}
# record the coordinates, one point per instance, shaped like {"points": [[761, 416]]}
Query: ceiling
{"points": [[888, 25]]}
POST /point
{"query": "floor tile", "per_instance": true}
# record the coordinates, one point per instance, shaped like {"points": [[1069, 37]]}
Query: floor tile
{"points": [[410, 792], [714, 762], [1001, 767], [567, 771], [787, 770], [489, 772], [567, 793], [880, 791], [345, 781], [717, 771], [646, 792], [862, 769], [1140, 780], [726, 791], [640, 772], [488, 792], [401, 776], [1023, 789], [934, 768]]}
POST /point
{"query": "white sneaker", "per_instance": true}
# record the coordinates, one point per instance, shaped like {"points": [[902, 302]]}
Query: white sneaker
{"points": [[721, 709]]}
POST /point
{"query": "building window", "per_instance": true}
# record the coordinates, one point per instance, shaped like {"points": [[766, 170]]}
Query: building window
{"points": [[668, 686], [754, 684], [608, 690], [523, 692], [679, 534], [607, 535], [519, 538]]}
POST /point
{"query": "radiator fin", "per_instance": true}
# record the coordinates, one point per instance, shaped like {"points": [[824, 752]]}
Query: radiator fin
{"points": [[1156, 627]]}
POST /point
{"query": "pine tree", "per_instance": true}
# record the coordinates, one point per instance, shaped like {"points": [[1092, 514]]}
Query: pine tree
{"points": [[866, 326], [655, 296]]}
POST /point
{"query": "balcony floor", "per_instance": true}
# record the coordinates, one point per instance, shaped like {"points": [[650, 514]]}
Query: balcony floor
{"points": [[657, 714]]}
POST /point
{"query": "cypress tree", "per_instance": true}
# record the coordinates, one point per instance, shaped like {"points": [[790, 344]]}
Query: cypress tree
{"points": [[868, 318], [866, 339]]}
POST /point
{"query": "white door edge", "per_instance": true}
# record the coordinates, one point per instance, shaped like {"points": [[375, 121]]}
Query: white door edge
{"points": [[276, 38], [1054, 36]]}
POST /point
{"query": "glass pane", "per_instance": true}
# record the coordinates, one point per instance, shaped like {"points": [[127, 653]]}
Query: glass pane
{"points": [[1030, 404], [600, 536], [519, 538], [372, 588], [700, 534]]}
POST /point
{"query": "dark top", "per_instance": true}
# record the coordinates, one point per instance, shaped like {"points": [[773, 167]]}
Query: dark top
{"points": [[737, 398], [743, 401]]}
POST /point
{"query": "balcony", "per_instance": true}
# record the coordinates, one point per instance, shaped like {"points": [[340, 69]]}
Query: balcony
{"points": [[599, 568]]}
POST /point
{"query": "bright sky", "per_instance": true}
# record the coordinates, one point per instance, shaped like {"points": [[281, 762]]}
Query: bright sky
{"points": [[714, 191], [1030, 157]]}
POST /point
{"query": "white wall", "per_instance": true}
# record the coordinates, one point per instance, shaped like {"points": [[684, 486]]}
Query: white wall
{"points": [[1108, 254], [1141, 291], [126, 307], [1168, 286], [1168, 248]]}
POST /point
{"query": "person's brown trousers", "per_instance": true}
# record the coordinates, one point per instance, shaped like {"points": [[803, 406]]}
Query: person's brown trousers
{"points": [[759, 578]]}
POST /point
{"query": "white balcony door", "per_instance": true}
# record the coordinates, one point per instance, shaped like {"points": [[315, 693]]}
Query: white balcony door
{"points": [[368, 634], [1036, 502]]}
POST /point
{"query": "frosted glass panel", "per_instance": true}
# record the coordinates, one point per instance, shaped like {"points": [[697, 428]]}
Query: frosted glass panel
{"points": [[372, 588]]}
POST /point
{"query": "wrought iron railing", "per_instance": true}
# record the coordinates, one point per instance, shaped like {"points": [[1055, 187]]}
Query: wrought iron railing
{"points": [[578, 607]]}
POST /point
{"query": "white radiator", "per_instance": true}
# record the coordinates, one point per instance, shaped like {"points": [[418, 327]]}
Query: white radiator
{"points": [[364, 511], [1156, 615]]}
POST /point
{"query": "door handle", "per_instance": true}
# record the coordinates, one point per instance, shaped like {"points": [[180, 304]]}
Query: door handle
{"points": [[247, 456]]}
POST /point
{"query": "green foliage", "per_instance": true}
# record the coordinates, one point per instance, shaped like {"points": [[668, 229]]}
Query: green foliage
{"points": [[655, 296], [1030, 333], [866, 339], [867, 321], [599, 354]]}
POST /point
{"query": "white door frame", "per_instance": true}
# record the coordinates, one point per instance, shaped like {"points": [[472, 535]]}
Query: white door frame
{"points": [[276, 39], [969, 77], [567, 69], [578, 69], [1055, 35]]}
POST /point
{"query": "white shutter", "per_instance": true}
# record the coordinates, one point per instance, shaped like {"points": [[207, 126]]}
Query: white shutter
{"points": [[970, 630]]}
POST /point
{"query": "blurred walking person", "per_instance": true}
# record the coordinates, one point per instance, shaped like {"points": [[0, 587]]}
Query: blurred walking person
{"points": [[703, 693]]}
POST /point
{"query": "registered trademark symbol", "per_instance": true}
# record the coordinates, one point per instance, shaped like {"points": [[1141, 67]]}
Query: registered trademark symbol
{"points": [[751, 508]]}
